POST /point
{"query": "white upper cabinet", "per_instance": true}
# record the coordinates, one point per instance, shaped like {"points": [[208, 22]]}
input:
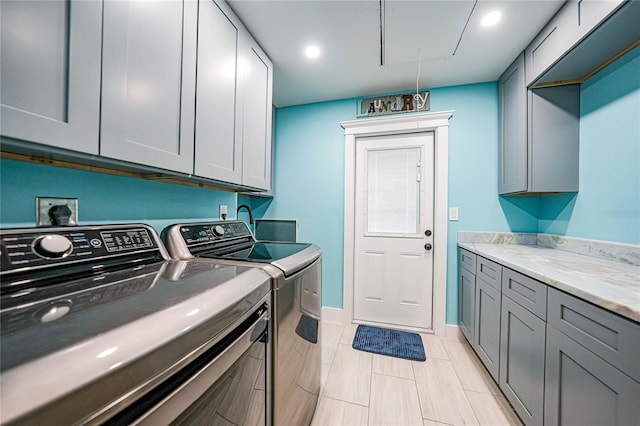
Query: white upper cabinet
{"points": [[257, 116], [218, 118], [591, 12], [552, 42], [580, 39], [539, 135], [148, 88], [513, 128], [50, 72], [540, 93], [233, 102]]}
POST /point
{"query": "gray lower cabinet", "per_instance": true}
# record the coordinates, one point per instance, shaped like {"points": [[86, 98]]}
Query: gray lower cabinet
{"points": [[611, 337], [582, 389], [50, 72], [487, 326], [148, 83], [479, 307], [558, 359], [467, 294], [522, 359]]}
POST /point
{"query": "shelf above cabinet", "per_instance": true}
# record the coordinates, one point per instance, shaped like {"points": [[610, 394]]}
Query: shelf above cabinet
{"points": [[121, 97], [616, 35]]}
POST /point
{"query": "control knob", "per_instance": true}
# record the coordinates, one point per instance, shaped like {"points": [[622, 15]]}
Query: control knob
{"points": [[217, 230], [53, 246]]}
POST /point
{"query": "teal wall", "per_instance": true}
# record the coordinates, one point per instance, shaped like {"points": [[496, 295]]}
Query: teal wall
{"points": [[309, 180], [473, 175], [607, 207], [103, 198]]}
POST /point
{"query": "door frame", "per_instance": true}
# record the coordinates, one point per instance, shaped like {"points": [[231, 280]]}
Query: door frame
{"points": [[438, 123]]}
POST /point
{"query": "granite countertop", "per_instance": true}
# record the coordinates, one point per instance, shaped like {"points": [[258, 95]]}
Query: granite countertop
{"points": [[601, 276]]}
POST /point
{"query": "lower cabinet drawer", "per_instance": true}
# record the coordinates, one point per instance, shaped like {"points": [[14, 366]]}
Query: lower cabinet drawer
{"points": [[582, 389], [525, 291], [467, 260], [490, 272], [615, 339]]}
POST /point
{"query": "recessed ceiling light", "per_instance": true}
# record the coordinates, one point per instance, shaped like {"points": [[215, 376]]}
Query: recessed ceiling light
{"points": [[491, 18], [312, 52]]}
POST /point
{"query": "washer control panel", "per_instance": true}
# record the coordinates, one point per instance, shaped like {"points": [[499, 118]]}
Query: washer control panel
{"points": [[202, 233], [48, 246]]}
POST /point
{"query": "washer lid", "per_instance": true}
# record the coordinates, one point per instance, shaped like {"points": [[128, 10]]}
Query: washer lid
{"points": [[268, 252], [288, 257], [113, 336]]}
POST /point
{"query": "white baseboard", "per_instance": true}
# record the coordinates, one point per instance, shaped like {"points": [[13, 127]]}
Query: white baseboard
{"points": [[333, 315], [453, 331], [336, 315]]}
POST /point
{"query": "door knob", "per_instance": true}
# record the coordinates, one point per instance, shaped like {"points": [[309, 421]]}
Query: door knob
{"points": [[428, 246], [427, 232]]}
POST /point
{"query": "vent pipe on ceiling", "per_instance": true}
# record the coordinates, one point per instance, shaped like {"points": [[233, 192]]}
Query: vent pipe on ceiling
{"points": [[382, 4], [465, 28]]}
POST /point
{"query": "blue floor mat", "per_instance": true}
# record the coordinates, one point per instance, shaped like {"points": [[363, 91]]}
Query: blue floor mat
{"points": [[400, 344]]}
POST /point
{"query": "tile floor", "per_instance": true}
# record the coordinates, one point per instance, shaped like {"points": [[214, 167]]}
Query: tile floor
{"points": [[450, 388]]}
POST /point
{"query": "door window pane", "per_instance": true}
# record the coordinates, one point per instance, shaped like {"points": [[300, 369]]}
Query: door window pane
{"points": [[393, 191]]}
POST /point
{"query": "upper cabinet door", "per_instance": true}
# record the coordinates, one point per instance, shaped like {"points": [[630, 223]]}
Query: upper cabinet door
{"points": [[233, 102], [50, 72], [257, 116], [148, 88], [591, 13], [218, 118], [513, 128], [555, 39]]}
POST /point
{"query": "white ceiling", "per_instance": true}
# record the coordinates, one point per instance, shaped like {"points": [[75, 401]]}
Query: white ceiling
{"points": [[446, 35]]}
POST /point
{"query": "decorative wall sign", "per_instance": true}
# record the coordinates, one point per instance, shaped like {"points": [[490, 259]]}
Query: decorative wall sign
{"points": [[394, 104]]}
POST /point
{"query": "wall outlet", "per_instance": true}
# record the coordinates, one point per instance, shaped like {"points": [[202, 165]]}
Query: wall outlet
{"points": [[223, 212], [51, 211]]}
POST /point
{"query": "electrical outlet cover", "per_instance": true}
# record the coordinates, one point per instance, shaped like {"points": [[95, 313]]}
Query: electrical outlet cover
{"points": [[453, 213], [44, 204]]}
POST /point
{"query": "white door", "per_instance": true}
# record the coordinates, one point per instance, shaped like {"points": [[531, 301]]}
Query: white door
{"points": [[393, 262]]}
